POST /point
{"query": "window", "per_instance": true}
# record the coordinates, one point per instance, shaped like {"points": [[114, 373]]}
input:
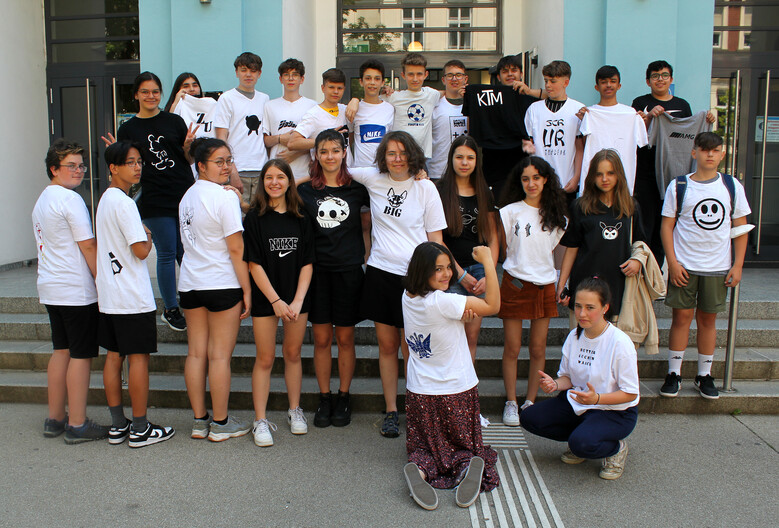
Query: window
{"points": [[460, 17], [412, 19]]}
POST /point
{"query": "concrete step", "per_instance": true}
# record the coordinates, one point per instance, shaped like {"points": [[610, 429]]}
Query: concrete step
{"points": [[751, 332], [750, 363], [751, 397]]}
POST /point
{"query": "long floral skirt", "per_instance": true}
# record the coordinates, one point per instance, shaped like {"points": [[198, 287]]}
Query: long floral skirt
{"points": [[443, 433]]}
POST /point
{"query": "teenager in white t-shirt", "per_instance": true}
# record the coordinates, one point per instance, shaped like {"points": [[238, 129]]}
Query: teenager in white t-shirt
{"points": [[404, 213], [238, 121], [213, 288], [66, 286], [374, 117], [448, 120], [533, 222], [598, 379], [127, 308], [441, 377], [283, 114], [187, 100]]}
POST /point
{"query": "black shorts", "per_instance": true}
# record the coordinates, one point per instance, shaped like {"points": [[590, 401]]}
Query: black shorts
{"points": [[129, 333], [336, 296], [74, 328], [211, 300], [382, 292]]}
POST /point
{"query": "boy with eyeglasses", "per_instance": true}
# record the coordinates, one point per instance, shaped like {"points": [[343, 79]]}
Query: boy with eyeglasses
{"points": [[66, 286], [282, 115], [448, 120]]}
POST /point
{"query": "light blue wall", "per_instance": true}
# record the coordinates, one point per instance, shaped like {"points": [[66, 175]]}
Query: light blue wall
{"points": [[185, 35], [629, 34]]}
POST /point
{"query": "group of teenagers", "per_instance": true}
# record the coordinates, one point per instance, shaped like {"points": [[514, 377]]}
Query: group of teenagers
{"points": [[271, 206]]}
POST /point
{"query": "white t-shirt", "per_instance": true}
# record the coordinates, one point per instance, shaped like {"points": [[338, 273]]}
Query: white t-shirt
{"points": [[439, 360], [702, 231], [370, 124], [616, 127], [242, 117], [123, 284], [414, 114], [607, 362], [448, 124], [403, 213], [208, 213], [528, 247], [60, 220], [198, 111], [554, 135], [317, 119], [282, 116]]}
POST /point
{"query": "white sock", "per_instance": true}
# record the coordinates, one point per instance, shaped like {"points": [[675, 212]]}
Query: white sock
{"points": [[704, 364], [675, 358]]}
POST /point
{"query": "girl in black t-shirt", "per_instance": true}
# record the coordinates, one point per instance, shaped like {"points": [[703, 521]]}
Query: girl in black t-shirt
{"points": [[470, 217], [278, 245]]}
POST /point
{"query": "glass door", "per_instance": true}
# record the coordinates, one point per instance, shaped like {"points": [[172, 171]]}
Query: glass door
{"points": [[764, 193]]}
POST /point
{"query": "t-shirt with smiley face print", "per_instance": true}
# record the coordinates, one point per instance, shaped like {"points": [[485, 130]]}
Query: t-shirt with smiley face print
{"points": [[702, 232]]}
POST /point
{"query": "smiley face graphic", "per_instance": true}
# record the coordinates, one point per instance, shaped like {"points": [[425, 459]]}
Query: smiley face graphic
{"points": [[709, 214]]}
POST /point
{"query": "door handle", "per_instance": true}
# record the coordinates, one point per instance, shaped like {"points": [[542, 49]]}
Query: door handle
{"points": [[762, 162]]}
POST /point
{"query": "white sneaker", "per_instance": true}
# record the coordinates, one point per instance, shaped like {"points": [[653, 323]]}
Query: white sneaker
{"points": [[262, 429], [511, 414], [297, 421], [525, 405]]}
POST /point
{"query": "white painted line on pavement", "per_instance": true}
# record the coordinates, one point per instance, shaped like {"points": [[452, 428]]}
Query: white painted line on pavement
{"points": [[545, 491], [485, 510], [474, 516], [502, 521], [532, 490], [507, 493], [531, 523]]}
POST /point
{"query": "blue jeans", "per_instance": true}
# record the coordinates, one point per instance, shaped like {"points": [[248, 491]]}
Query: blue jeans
{"points": [[474, 270], [167, 241], [594, 434]]}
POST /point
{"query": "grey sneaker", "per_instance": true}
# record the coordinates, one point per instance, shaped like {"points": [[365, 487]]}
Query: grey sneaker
{"points": [[262, 435], [53, 428], [569, 458], [614, 465], [511, 414], [468, 490], [200, 428], [297, 421], [85, 433], [421, 491], [232, 429]]}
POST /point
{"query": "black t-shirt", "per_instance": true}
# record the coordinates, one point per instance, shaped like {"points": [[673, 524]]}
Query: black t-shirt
{"points": [[336, 224], [462, 246], [603, 242], [676, 107], [496, 115], [166, 174], [282, 244]]}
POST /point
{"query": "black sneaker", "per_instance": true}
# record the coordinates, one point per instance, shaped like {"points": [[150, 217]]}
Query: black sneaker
{"points": [[705, 385], [117, 435], [322, 414], [671, 386], [53, 428], [152, 435], [390, 428], [342, 413], [86, 433], [174, 319]]}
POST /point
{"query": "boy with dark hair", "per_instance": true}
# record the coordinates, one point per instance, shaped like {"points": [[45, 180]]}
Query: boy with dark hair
{"points": [[448, 119], [374, 117], [66, 286], [700, 217], [282, 115], [611, 125], [238, 121]]}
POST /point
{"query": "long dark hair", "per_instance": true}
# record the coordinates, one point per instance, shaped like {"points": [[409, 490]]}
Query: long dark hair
{"points": [[316, 171], [177, 86], [261, 200], [552, 208], [447, 188], [597, 286], [422, 266], [142, 78], [414, 153], [590, 202], [202, 148]]}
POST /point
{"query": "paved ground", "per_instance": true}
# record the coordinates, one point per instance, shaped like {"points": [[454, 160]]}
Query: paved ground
{"points": [[697, 471]]}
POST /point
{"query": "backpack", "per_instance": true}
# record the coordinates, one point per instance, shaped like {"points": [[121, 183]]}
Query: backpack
{"points": [[681, 188]]}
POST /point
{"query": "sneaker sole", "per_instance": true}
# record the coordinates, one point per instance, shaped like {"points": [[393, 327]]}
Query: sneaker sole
{"points": [[341, 423], [669, 394], [707, 396], [610, 476], [511, 424], [150, 441], [52, 434], [221, 437], [421, 491], [80, 440], [571, 461], [199, 435], [322, 423], [162, 317], [468, 489], [299, 431], [117, 441], [263, 444]]}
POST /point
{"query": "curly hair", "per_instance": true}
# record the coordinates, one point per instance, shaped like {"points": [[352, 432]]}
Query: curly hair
{"points": [[553, 205], [414, 153]]}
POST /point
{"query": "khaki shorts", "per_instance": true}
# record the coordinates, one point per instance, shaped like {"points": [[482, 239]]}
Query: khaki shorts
{"points": [[251, 182], [708, 294]]}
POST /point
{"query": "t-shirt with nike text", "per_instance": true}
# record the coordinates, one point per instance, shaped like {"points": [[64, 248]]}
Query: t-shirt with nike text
{"points": [[370, 124]]}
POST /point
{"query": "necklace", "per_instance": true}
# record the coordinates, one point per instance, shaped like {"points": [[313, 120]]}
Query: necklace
{"points": [[601, 332]]}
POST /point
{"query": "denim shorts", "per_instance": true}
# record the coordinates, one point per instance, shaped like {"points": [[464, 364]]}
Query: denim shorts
{"points": [[474, 270]]}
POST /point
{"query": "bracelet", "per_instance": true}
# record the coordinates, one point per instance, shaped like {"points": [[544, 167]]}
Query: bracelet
{"points": [[598, 400], [556, 386], [279, 139], [277, 300], [462, 277]]}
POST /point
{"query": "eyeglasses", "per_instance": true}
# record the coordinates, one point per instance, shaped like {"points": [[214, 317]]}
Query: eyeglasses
{"points": [[149, 92], [133, 163], [397, 155], [72, 167], [664, 76], [290, 76], [221, 162], [458, 76]]}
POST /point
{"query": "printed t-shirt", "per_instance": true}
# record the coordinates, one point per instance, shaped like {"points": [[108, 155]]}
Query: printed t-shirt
{"points": [[528, 246], [317, 119], [462, 246], [123, 284], [414, 114], [280, 117], [439, 359], [166, 173], [370, 125], [208, 214], [242, 117], [607, 362], [672, 139], [702, 231], [403, 213], [496, 115], [554, 135], [60, 220], [197, 111], [337, 224], [616, 127], [448, 124]]}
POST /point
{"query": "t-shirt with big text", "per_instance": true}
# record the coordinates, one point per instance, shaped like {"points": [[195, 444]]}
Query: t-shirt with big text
{"points": [[281, 116], [554, 135], [496, 115]]}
